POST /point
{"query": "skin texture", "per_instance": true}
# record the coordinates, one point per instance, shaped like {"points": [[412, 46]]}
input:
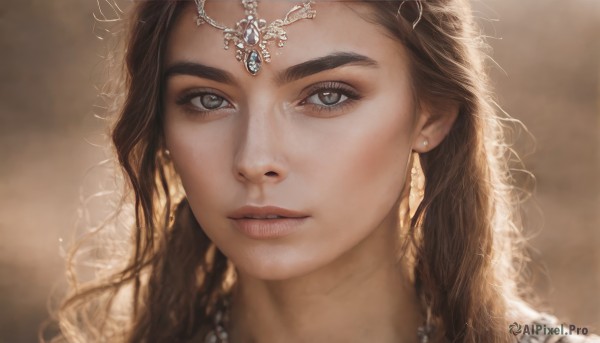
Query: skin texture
{"points": [[336, 279]]}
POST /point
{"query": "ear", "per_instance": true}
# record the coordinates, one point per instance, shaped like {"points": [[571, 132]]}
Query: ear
{"points": [[433, 126]]}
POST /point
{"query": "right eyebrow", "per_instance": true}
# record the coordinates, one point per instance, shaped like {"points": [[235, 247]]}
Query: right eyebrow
{"points": [[321, 64], [199, 70]]}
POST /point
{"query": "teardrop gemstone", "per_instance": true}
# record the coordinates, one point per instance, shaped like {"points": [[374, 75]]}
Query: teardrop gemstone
{"points": [[253, 62], [251, 33]]}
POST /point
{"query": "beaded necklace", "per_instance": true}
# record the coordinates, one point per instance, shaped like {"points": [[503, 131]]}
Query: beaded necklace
{"points": [[218, 334]]}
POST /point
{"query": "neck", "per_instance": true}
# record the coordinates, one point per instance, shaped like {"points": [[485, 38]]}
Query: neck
{"points": [[363, 296]]}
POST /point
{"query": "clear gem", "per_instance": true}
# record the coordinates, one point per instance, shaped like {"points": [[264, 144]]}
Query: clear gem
{"points": [[251, 33], [253, 62]]}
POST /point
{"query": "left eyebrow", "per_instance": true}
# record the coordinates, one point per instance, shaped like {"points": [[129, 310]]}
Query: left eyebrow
{"points": [[199, 70], [324, 63]]}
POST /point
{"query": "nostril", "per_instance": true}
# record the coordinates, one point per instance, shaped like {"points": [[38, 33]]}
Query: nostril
{"points": [[259, 174]]}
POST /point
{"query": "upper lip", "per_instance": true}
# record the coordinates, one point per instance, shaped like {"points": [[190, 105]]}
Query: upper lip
{"points": [[263, 212]]}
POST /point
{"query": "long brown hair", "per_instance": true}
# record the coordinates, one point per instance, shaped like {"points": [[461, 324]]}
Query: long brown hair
{"points": [[462, 234]]}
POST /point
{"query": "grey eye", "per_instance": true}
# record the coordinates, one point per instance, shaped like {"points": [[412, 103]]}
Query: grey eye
{"points": [[330, 98], [208, 101], [327, 98]]}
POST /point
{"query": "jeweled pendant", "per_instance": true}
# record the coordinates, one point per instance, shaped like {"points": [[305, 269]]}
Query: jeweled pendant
{"points": [[251, 32], [253, 62]]}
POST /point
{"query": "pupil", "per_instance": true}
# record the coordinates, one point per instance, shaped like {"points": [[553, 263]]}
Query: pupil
{"points": [[329, 98], [211, 101]]}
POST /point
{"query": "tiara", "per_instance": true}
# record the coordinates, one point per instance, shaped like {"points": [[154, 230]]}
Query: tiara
{"points": [[251, 35]]}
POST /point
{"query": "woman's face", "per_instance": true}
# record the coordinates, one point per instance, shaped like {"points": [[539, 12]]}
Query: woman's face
{"points": [[331, 143]]}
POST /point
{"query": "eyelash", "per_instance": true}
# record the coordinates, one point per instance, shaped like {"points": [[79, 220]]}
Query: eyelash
{"points": [[335, 87], [330, 86], [185, 101]]}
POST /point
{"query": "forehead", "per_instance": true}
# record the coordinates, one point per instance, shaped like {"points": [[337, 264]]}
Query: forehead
{"points": [[339, 26]]}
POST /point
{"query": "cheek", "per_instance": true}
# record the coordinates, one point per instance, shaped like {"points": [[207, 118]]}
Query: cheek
{"points": [[371, 159], [376, 178], [199, 154]]}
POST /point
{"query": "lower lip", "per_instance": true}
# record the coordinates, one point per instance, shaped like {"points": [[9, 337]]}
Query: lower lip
{"points": [[268, 228]]}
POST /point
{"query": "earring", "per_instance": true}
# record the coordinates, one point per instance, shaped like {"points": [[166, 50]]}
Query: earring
{"points": [[417, 184], [425, 142], [426, 331], [413, 191]]}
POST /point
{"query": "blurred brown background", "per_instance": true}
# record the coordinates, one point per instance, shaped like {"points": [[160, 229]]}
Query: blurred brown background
{"points": [[51, 63]]}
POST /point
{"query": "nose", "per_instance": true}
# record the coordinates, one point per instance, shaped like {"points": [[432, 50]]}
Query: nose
{"points": [[259, 159]]}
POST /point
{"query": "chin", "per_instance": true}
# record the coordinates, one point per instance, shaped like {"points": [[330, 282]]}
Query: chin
{"points": [[275, 267]]}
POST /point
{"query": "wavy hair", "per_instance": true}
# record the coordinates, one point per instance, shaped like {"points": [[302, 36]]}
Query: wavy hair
{"points": [[463, 236]]}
